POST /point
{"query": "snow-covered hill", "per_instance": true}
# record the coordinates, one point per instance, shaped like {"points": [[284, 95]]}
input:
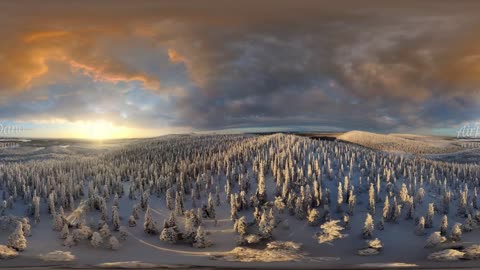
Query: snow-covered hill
{"points": [[400, 143]]}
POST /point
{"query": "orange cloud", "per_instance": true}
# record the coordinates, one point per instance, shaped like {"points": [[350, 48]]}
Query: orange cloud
{"points": [[176, 57], [104, 73], [44, 35], [27, 55], [21, 65]]}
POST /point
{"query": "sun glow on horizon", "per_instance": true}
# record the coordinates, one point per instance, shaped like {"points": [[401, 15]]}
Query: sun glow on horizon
{"points": [[99, 130]]}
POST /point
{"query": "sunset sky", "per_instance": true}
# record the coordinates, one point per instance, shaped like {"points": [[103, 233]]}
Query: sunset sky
{"points": [[111, 69]]}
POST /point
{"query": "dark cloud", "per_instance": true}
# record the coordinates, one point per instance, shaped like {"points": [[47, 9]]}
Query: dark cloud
{"points": [[228, 64]]}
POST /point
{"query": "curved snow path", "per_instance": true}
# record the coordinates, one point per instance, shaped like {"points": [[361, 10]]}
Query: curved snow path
{"points": [[192, 253], [158, 212]]}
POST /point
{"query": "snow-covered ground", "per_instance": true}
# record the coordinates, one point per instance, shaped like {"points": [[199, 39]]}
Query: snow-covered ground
{"points": [[303, 174], [43, 149]]}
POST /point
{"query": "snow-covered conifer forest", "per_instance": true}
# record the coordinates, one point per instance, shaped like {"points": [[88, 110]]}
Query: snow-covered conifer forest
{"points": [[276, 200]]}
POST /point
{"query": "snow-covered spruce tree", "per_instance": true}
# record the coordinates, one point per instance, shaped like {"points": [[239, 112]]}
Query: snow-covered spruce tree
{"points": [[396, 211], [96, 240], [190, 226], [106, 192], [469, 224], [368, 227], [261, 189], [240, 226], [286, 184], [115, 218], [57, 222], [264, 227], [330, 231], [308, 200], [279, 204], [404, 197], [462, 204], [194, 218], [169, 235], [371, 199], [378, 186], [243, 201], [291, 203], [233, 209], [149, 225], [116, 200], [420, 195], [51, 204], [103, 209], [144, 198], [444, 226], [131, 192], [200, 240], [446, 201], [257, 215], [26, 227], [313, 217], [434, 240], [420, 229], [374, 244], [113, 243], [36, 207], [346, 222], [429, 218], [475, 198], [228, 190], [83, 232], [64, 232], [386, 209], [317, 193], [299, 209], [271, 218], [199, 215], [346, 185], [339, 197], [211, 206], [123, 233], [351, 203], [409, 205], [179, 208], [456, 234], [105, 231], [17, 239], [254, 201], [132, 222], [170, 221], [136, 211]]}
